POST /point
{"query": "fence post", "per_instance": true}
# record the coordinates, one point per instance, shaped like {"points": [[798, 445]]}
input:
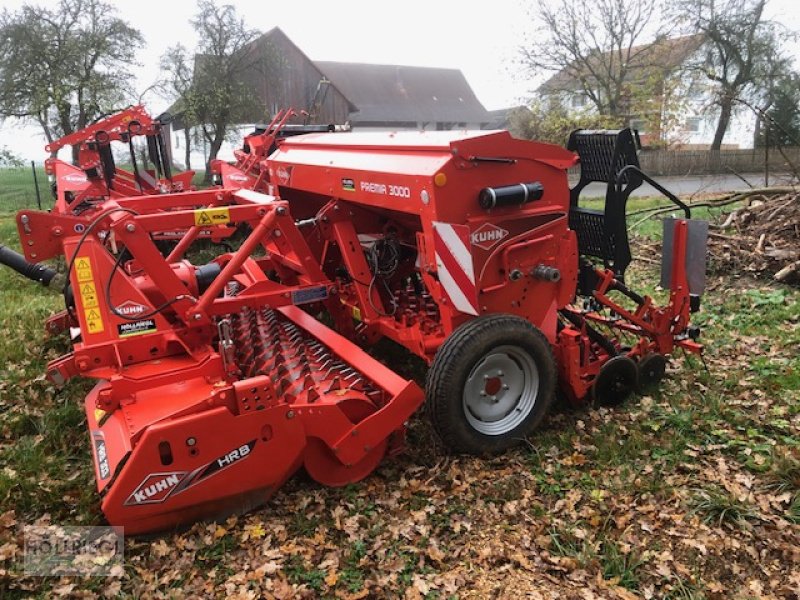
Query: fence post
{"points": [[36, 185], [766, 152]]}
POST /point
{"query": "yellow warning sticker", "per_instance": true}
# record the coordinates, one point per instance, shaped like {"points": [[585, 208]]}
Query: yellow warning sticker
{"points": [[83, 267], [94, 322], [356, 313], [88, 295], [87, 290], [212, 216]]}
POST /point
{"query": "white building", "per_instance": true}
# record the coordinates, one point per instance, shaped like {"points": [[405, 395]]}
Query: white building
{"points": [[674, 102]]}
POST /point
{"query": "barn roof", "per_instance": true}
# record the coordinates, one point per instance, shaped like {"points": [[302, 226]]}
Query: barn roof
{"points": [[385, 93], [394, 93]]}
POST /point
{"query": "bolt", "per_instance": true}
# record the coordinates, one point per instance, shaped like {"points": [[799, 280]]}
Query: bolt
{"points": [[130, 228], [281, 210], [483, 393], [485, 377], [277, 233], [197, 317], [494, 399], [191, 442], [500, 374], [290, 414], [505, 386]]}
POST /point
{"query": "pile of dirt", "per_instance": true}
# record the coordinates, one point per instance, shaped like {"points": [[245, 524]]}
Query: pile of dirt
{"points": [[761, 238]]}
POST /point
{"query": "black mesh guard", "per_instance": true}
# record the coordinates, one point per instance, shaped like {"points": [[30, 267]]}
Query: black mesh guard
{"points": [[603, 154]]}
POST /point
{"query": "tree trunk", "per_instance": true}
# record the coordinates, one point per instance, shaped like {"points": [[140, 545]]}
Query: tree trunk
{"points": [[48, 134], [726, 105], [216, 144], [187, 138]]}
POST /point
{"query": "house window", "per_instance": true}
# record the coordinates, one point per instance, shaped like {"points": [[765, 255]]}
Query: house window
{"points": [[693, 124], [578, 101]]}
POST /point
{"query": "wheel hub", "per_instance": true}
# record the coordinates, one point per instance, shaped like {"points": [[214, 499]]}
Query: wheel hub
{"points": [[500, 390]]}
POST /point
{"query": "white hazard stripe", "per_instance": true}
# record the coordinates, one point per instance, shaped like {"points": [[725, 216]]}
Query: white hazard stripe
{"points": [[454, 266]]}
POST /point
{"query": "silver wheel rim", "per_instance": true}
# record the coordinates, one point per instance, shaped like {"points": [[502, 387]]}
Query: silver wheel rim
{"points": [[501, 390]]}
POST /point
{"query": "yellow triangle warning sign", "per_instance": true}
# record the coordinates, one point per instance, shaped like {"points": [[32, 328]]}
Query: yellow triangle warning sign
{"points": [[212, 216]]}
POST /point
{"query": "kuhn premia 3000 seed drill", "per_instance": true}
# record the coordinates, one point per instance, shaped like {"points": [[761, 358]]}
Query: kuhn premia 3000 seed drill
{"points": [[217, 382]]}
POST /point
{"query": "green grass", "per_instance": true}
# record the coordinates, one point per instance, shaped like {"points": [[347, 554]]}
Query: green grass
{"points": [[44, 450], [720, 507], [17, 189]]}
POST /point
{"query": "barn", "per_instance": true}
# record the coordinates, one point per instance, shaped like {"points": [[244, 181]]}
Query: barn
{"points": [[358, 95]]}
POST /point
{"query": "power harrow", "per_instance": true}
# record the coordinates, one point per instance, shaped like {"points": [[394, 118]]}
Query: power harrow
{"points": [[217, 382]]}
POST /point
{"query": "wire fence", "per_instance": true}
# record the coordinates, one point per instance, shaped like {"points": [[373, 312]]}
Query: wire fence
{"points": [[707, 162], [18, 189]]}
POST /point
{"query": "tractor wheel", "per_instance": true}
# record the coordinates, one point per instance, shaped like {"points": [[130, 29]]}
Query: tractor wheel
{"points": [[490, 384], [616, 381]]}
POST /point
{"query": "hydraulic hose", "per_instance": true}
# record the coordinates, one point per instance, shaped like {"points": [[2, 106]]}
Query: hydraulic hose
{"points": [[33, 271]]}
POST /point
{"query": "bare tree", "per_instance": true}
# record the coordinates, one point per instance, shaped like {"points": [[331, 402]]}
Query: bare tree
{"points": [[219, 95], [742, 55], [65, 66], [177, 83], [594, 48]]}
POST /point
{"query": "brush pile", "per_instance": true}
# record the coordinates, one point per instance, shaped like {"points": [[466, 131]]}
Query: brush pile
{"points": [[761, 238]]}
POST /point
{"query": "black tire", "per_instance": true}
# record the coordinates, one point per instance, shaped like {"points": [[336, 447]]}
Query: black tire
{"points": [[472, 348]]}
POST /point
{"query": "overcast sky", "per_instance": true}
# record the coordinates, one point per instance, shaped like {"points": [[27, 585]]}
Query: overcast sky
{"points": [[480, 38]]}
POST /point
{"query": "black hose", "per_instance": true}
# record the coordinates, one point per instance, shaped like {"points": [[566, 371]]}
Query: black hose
{"points": [[33, 271]]}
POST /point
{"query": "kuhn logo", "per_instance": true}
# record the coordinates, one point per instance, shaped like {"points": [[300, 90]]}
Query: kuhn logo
{"points": [[223, 462], [284, 175], [129, 308], [487, 235], [102, 454], [237, 177], [155, 488], [74, 178]]}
